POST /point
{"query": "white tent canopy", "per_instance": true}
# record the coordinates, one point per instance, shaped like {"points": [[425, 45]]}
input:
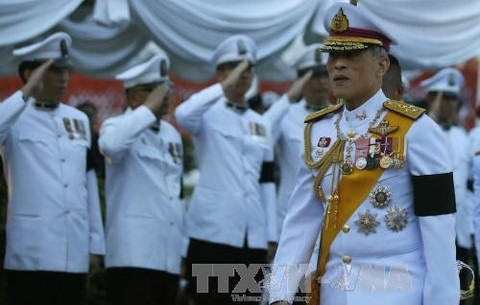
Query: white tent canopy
{"points": [[110, 36]]}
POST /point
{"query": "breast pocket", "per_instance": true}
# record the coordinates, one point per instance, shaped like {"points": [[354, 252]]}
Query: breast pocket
{"points": [[78, 152], [35, 141]]}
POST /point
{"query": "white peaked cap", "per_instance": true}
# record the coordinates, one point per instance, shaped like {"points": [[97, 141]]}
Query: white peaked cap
{"points": [[446, 80], [152, 71], [312, 57], [235, 48], [54, 46]]}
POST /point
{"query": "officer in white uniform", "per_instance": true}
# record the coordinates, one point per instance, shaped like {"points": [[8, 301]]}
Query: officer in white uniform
{"points": [[53, 219], [144, 165], [231, 216], [443, 102], [381, 194], [315, 91]]}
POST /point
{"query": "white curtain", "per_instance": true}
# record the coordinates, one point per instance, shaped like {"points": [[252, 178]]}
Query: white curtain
{"points": [[100, 50], [190, 30], [22, 20], [113, 35]]}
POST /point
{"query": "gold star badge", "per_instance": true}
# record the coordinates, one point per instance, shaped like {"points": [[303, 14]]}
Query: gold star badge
{"points": [[367, 223]]}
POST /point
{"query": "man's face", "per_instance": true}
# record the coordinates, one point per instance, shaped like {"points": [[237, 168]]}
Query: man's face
{"points": [[448, 106], [244, 82], [317, 90], [355, 76], [55, 82]]}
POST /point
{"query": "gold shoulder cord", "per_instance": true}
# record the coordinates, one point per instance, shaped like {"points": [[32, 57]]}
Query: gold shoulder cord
{"points": [[334, 155]]}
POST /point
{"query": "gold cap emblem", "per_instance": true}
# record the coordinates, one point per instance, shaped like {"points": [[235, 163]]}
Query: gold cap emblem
{"points": [[339, 22]]}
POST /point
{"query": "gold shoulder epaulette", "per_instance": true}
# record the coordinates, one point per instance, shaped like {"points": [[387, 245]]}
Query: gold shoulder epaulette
{"points": [[312, 117], [403, 108]]}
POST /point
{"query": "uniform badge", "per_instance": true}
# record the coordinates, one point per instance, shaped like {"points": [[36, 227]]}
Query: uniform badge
{"points": [[75, 128], [367, 223], [347, 167], [361, 153], [396, 219], [319, 152], [175, 150], [324, 141], [383, 129], [361, 116], [380, 196]]}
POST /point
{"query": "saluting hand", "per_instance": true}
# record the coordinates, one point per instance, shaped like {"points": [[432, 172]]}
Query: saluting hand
{"points": [[234, 76], [34, 83], [158, 101], [297, 87]]}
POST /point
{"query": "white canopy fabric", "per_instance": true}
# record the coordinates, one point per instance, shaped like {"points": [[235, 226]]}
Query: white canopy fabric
{"points": [[432, 33], [21, 20], [190, 30]]}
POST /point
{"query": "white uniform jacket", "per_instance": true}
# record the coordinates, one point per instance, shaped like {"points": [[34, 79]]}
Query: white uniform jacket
{"points": [[458, 147], [143, 180], [290, 139], [50, 225], [475, 139], [414, 265], [228, 202]]}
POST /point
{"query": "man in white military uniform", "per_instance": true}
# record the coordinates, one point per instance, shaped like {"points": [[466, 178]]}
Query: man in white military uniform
{"points": [[316, 91], [443, 103], [231, 217], [144, 165], [53, 220], [381, 195]]}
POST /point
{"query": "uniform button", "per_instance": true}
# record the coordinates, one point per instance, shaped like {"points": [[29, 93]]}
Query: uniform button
{"points": [[347, 259], [65, 185], [346, 228], [171, 223], [68, 211], [59, 135], [63, 159]]}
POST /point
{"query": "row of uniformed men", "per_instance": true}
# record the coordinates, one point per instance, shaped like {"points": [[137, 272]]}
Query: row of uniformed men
{"points": [[54, 221]]}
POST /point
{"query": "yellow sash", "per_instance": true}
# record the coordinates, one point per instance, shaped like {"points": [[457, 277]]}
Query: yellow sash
{"points": [[352, 191]]}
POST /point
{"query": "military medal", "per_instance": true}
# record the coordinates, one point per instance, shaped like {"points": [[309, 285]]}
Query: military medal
{"points": [[380, 196], [347, 167], [398, 162], [396, 219], [361, 152], [386, 162], [175, 151], [398, 158], [367, 223], [361, 163]]}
